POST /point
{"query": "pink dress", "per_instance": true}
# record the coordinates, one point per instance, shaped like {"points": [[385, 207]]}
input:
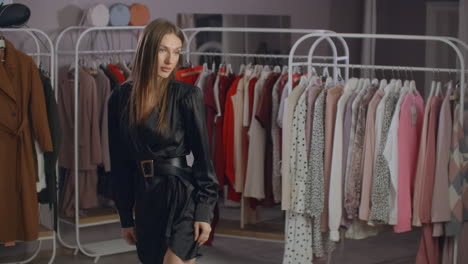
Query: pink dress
{"points": [[409, 133], [428, 252]]}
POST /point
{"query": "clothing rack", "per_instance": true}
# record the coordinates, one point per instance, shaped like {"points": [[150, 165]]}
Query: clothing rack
{"points": [[110, 247], [45, 234], [447, 40], [247, 213], [454, 43]]}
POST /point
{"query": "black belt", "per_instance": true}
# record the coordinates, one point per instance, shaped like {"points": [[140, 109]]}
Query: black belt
{"points": [[152, 167]]}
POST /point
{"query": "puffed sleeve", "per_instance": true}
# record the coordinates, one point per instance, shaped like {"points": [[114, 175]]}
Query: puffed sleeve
{"points": [[122, 169], [203, 171]]}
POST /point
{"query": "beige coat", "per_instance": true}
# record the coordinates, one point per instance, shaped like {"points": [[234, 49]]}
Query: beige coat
{"points": [[23, 118]]}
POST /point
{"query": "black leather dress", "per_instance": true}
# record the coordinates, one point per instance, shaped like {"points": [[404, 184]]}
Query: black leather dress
{"points": [[149, 173]]}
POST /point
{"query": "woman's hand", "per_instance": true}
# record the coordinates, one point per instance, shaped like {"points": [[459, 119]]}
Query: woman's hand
{"points": [[129, 235], [202, 232]]}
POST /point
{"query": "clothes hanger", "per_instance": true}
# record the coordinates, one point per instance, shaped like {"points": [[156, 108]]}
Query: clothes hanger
{"points": [[438, 91], [277, 69], [433, 85], [242, 69], [284, 70], [383, 84], [449, 86]]}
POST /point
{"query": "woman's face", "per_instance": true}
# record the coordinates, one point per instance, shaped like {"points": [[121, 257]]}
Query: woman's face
{"points": [[168, 54]]}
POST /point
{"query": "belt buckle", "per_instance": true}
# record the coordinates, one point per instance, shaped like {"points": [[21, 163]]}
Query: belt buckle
{"points": [[146, 165]]}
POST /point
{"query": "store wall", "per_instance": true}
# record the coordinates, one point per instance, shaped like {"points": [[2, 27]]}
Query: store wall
{"points": [[54, 15], [347, 17]]}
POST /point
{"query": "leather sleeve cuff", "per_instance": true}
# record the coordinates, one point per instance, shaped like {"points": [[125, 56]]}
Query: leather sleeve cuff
{"points": [[126, 219], [203, 213]]}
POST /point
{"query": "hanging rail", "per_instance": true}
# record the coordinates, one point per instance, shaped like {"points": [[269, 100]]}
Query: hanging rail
{"points": [[445, 40]]}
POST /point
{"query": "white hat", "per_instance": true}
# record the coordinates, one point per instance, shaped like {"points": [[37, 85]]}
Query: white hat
{"points": [[98, 16]]}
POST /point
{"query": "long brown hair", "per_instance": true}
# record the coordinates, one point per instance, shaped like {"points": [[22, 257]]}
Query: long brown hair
{"points": [[146, 93]]}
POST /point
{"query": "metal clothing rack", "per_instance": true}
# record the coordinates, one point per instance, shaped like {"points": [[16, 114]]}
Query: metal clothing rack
{"points": [[45, 234], [451, 41], [447, 40], [109, 247], [248, 215]]}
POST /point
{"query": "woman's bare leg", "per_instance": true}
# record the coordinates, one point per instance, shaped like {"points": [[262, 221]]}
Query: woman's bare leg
{"points": [[172, 258]]}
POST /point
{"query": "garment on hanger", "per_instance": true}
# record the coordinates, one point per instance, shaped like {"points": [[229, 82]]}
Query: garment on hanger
{"points": [[361, 91], [333, 96], [410, 125], [263, 116], [290, 103], [312, 93], [347, 123], [117, 72], [225, 81], [210, 111], [48, 194], [336, 174], [255, 181], [315, 194], [298, 162], [103, 91], [428, 249], [430, 161], [391, 155], [228, 133], [369, 154], [203, 77], [113, 81], [189, 75], [23, 118], [456, 169], [90, 154], [416, 221], [354, 184], [440, 207], [276, 139], [380, 189]]}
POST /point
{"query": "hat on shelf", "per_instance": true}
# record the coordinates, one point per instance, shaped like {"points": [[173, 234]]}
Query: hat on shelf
{"points": [[139, 15], [98, 16], [119, 15]]}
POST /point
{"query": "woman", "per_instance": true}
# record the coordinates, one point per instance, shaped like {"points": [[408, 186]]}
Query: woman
{"points": [[154, 122]]}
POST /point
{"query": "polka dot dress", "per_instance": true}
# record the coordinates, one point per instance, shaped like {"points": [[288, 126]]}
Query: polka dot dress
{"points": [[298, 158], [304, 238], [381, 183]]}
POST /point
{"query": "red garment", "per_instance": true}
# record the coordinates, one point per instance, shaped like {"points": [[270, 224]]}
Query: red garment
{"points": [[263, 115], [117, 72], [189, 75], [232, 195], [228, 133], [225, 81]]}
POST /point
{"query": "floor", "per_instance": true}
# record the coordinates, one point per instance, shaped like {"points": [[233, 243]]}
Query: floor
{"points": [[386, 248]]}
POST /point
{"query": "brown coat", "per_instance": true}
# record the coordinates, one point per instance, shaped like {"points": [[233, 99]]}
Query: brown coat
{"points": [[23, 118], [90, 153]]}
